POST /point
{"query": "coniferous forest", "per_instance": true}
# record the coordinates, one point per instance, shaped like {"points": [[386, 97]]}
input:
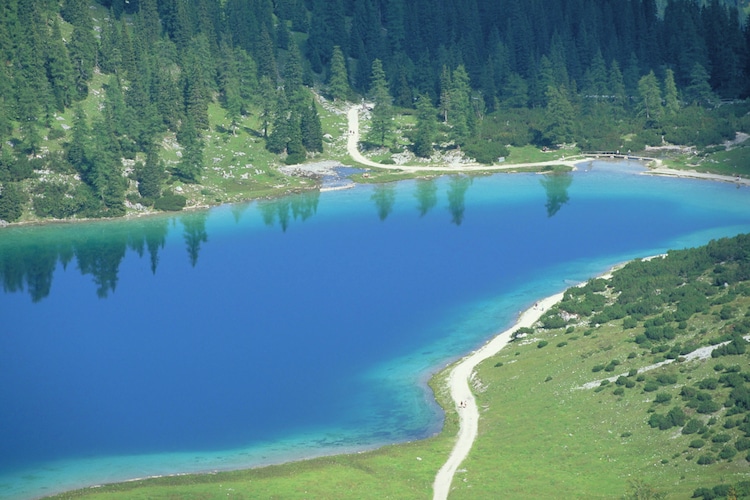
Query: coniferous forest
{"points": [[476, 74]]}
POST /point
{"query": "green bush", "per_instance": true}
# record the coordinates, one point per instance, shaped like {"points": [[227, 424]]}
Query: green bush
{"points": [[721, 438], [692, 426], [706, 460], [708, 384], [742, 444], [170, 202], [541, 344], [650, 386], [597, 368], [662, 398], [485, 152], [552, 321], [728, 452], [697, 443]]}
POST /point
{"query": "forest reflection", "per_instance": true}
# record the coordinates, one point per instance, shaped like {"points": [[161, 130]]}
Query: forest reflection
{"points": [[556, 185], [300, 206], [29, 256]]}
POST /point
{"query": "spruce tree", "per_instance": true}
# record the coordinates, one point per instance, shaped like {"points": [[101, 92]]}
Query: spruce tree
{"points": [[83, 49], [281, 125], [229, 78], [382, 114], [650, 98], [671, 101], [59, 70], [150, 175], [338, 82], [268, 97], [12, 200], [699, 91], [425, 131], [559, 116], [190, 167], [464, 120], [312, 131]]}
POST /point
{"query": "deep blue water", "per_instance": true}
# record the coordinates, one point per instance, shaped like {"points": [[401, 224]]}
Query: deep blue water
{"points": [[258, 333]]}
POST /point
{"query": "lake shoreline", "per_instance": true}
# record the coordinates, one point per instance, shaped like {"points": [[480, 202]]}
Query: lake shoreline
{"points": [[412, 173]]}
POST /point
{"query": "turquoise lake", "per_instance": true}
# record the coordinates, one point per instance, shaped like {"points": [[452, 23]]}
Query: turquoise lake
{"points": [[259, 333]]}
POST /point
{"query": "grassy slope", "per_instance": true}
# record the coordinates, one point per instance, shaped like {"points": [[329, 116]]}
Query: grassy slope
{"points": [[539, 436]]}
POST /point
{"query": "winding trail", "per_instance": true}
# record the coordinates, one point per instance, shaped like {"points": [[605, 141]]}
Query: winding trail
{"points": [[658, 169], [353, 150], [459, 383], [462, 375]]}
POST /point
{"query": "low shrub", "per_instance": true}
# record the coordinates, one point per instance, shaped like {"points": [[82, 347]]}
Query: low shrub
{"points": [[697, 443], [170, 203]]}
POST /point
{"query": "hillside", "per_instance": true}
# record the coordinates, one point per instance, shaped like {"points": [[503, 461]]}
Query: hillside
{"points": [[111, 108]]}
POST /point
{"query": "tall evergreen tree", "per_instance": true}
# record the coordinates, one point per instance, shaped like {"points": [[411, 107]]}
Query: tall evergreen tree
{"points": [[83, 49], [699, 91], [650, 97], [59, 70], [150, 175], [671, 100], [338, 81], [464, 118], [559, 116], [190, 166], [310, 126], [382, 114], [268, 99], [425, 131], [281, 125], [231, 96]]}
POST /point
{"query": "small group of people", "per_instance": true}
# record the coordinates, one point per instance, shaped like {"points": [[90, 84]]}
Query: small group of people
{"points": [[462, 404]]}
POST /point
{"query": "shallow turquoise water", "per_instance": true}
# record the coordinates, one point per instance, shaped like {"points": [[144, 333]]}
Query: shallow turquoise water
{"points": [[257, 333]]}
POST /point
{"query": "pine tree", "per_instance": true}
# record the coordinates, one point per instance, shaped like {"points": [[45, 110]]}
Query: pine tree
{"points": [[559, 115], [281, 126], [59, 70], [150, 175], [295, 149], [110, 58], [83, 49], [312, 131], [425, 130], [190, 167], [268, 97], [672, 103], [515, 92], [231, 97], [699, 91], [12, 200], [338, 82], [464, 120], [248, 78], [264, 56], [79, 142], [650, 97], [382, 113], [616, 83], [148, 21], [445, 93]]}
